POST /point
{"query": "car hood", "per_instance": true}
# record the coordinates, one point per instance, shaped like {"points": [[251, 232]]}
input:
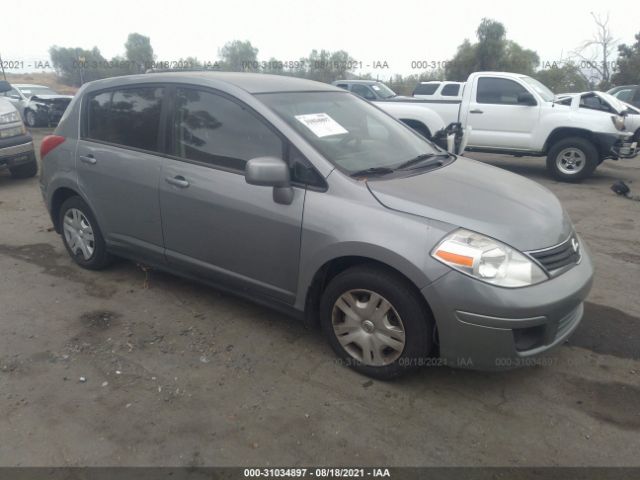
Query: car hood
{"points": [[51, 98], [482, 198], [6, 106]]}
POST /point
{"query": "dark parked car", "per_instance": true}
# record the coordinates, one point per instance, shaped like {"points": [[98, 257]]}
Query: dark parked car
{"points": [[38, 105]]}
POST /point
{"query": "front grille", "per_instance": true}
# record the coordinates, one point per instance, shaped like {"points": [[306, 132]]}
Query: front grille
{"points": [[555, 258]]}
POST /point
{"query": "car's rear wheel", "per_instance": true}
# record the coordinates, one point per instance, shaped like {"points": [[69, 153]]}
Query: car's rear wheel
{"points": [[26, 170], [376, 322], [81, 235], [572, 159], [30, 118]]}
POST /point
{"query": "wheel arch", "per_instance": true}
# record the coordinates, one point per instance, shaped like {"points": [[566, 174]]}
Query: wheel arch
{"points": [[418, 126], [57, 199], [331, 268], [566, 132]]}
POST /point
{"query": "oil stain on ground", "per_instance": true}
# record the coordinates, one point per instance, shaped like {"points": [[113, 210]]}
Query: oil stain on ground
{"points": [[608, 331], [44, 256]]}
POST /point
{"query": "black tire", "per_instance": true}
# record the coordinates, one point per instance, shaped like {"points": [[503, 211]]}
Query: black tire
{"points": [[590, 159], [26, 170], [30, 118], [99, 258], [400, 293]]}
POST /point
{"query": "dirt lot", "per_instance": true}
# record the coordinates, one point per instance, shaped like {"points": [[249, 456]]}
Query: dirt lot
{"points": [[179, 374]]}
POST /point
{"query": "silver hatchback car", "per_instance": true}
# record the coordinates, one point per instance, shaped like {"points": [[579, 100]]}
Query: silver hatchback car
{"points": [[307, 198]]}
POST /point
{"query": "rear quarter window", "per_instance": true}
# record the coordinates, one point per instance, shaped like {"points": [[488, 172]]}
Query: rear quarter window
{"points": [[450, 90]]}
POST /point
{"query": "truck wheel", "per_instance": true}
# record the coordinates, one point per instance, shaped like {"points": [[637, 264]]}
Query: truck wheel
{"points": [[572, 159], [376, 322], [26, 170]]}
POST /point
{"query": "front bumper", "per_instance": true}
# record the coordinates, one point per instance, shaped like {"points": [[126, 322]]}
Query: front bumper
{"points": [[485, 327], [617, 146], [16, 150]]}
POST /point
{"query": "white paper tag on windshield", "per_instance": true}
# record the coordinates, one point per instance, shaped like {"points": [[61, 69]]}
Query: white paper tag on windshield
{"points": [[321, 124]]}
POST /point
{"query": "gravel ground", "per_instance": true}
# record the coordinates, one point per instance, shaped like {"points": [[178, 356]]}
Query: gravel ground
{"points": [[134, 367]]}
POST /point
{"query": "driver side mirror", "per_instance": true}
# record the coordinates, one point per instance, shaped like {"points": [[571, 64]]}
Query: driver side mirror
{"points": [[271, 172], [526, 99], [5, 86]]}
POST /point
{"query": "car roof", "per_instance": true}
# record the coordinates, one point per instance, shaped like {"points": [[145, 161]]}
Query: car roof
{"points": [[250, 82]]}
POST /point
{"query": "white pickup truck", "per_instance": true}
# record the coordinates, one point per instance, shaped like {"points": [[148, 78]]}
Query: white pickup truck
{"points": [[516, 114], [420, 117]]}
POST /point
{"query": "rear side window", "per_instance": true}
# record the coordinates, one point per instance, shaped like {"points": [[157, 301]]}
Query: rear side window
{"points": [[499, 91], [426, 88], [129, 117], [212, 129], [450, 90]]}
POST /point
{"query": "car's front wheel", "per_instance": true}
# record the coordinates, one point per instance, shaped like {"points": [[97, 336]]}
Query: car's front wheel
{"points": [[572, 159], [376, 322], [30, 118], [81, 235]]}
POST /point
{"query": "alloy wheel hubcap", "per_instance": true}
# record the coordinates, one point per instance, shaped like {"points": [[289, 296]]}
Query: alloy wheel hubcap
{"points": [[78, 233], [570, 161], [368, 327]]}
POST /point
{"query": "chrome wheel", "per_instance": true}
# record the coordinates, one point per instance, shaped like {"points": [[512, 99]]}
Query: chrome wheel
{"points": [[571, 161], [368, 327], [78, 233]]}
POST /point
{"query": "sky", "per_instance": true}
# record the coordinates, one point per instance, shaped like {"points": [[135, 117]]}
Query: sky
{"points": [[398, 32]]}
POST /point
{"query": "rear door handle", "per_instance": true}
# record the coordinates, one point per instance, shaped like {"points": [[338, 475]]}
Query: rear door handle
{"points": [[476, 111], [178, 181], [90, 159]]}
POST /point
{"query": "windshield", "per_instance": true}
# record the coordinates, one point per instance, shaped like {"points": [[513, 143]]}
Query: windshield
{"points": [[383, 91], [349, 132], [31, 91], [546, 94]]}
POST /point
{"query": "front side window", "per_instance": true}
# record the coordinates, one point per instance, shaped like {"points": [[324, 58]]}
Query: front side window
{"points": [[450, 90], [500, 91], [350, 133], [129, 117], [212, 129]]}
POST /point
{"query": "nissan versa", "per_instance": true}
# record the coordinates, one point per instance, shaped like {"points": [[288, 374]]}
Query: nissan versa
{"points": [[305, 197]]}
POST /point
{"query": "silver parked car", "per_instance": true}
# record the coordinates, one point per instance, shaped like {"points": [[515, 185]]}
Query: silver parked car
{"points": [[39, 105], [302, 196]]}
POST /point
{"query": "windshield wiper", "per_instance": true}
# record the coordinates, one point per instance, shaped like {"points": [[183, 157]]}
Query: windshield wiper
{"points": [[421, 158], [372, 171]]}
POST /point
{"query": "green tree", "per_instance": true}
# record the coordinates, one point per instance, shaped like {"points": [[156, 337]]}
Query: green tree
{"points": [[238, 56], [628, 65], [563, 79], [493, 51], [139, 52], [75, 66]]}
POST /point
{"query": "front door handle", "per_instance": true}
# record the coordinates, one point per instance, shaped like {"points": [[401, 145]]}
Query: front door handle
{"points": [[178, 181], [476, 111], [90, 159]]}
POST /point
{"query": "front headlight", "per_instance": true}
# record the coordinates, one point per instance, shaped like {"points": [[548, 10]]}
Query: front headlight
{"points": [[487, 259], [618, 122], [10, 117]]}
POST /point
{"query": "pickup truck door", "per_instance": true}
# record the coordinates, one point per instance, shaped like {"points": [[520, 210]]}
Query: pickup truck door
{"points": [[502, 114]]}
